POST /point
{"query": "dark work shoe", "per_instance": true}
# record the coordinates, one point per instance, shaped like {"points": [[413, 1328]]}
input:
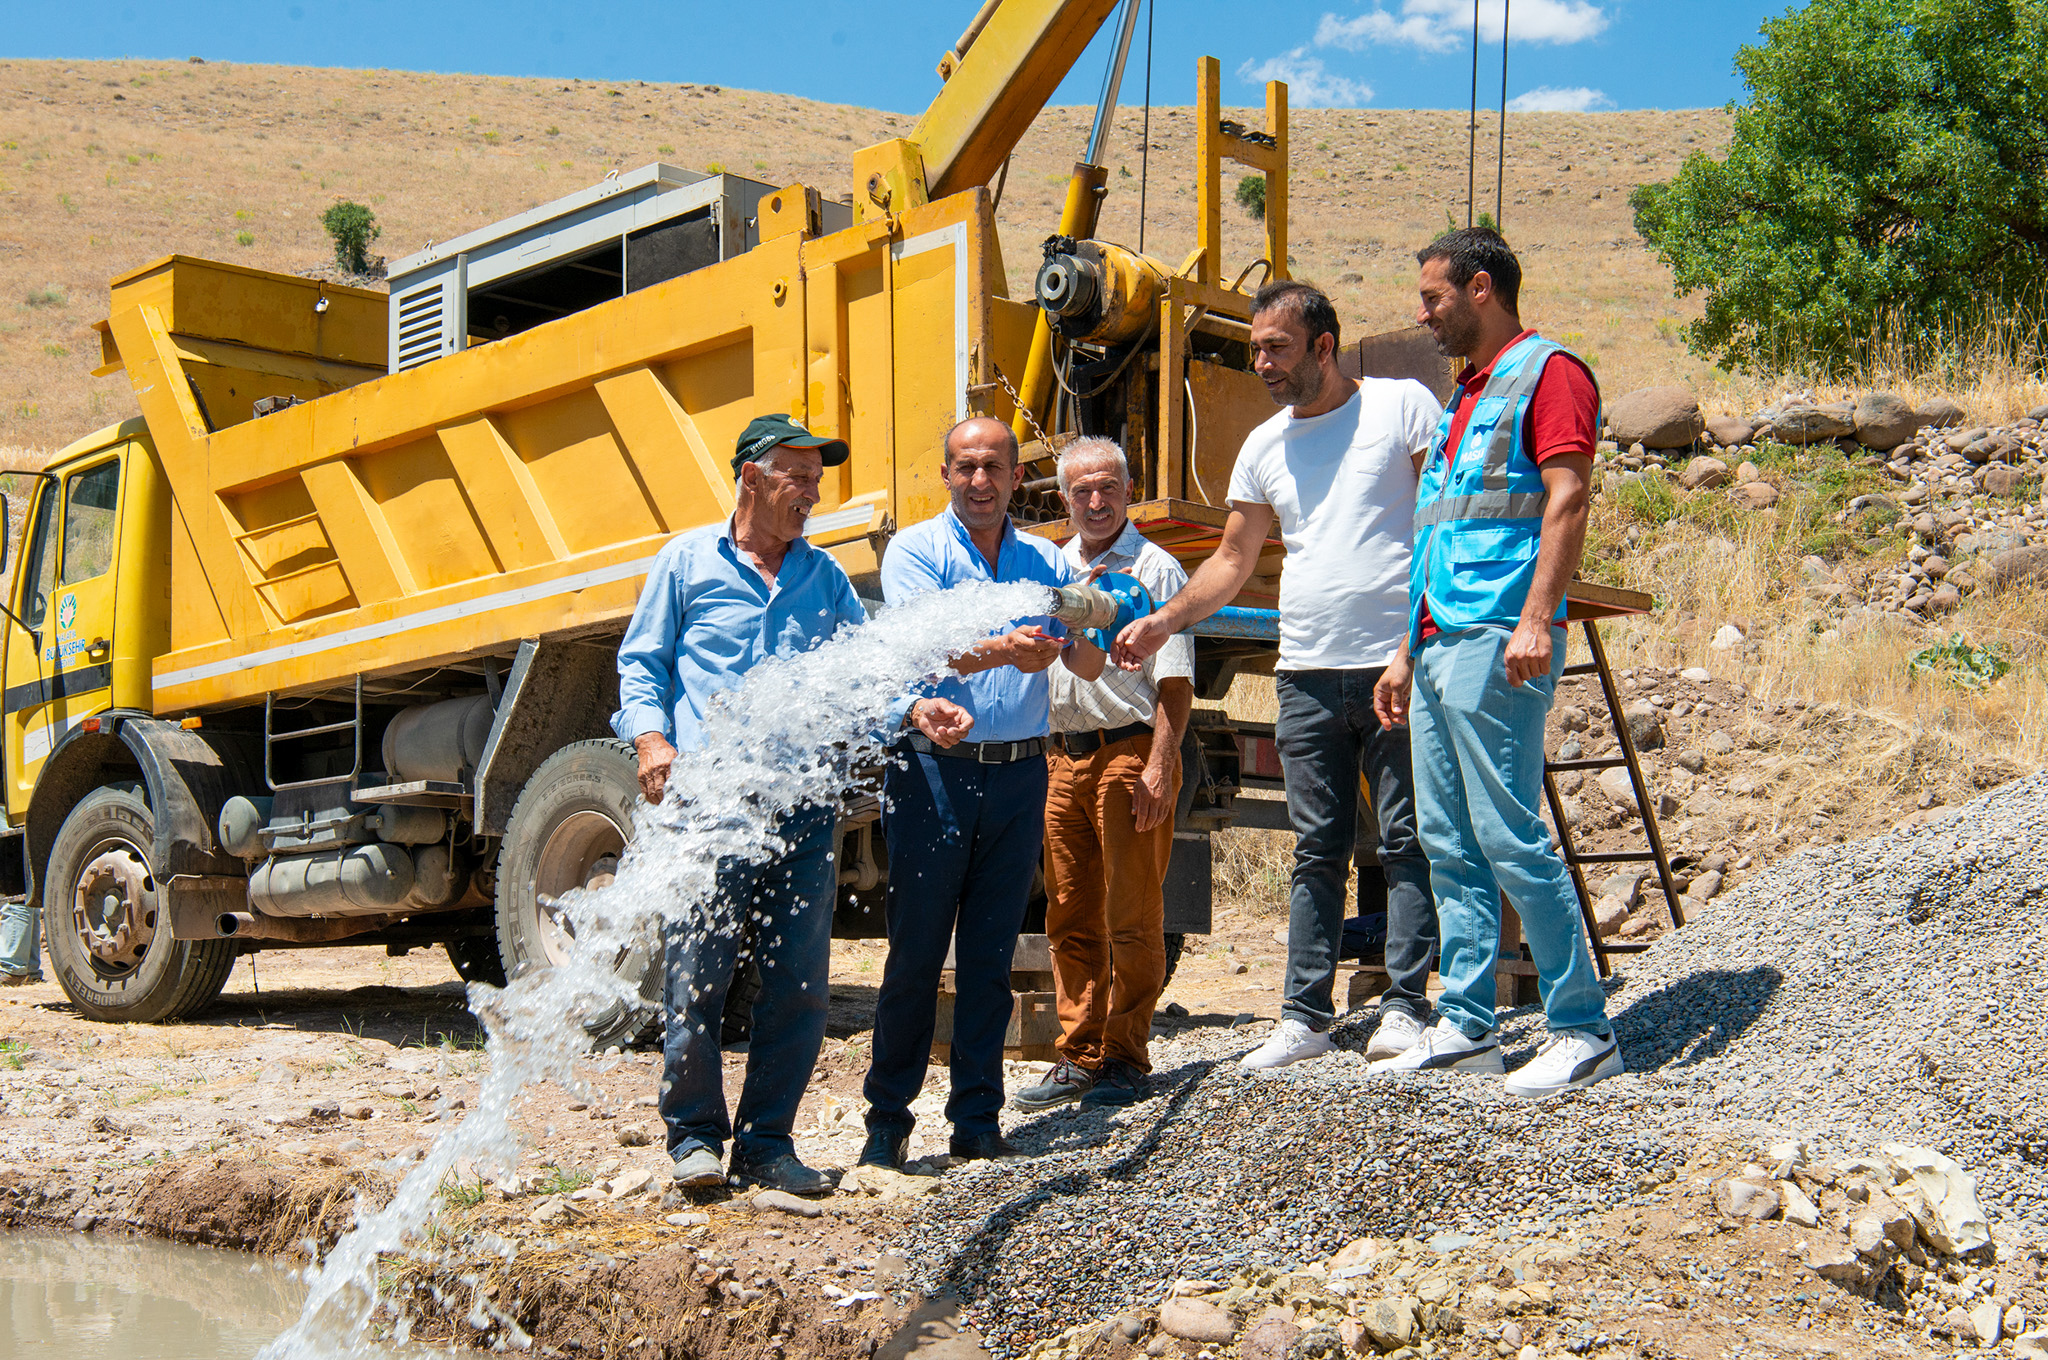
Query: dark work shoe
{"points": [[1067, 1081], [784, 1173], [885, 1147], [975, 1147], [1118, 1083]]}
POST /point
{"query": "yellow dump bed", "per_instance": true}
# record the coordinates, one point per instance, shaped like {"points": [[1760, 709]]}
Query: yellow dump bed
{"points": [[521, 487]]}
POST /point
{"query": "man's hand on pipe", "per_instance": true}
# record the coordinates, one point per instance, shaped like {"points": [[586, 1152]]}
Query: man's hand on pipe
{"points": [[656, 755], [942, 720]]}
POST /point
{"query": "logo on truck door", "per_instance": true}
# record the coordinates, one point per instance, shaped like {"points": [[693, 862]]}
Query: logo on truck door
{"points": [[67, 612]]}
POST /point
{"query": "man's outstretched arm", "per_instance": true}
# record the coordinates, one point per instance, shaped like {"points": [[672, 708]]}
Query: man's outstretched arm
{"points": [[1214, 584]]}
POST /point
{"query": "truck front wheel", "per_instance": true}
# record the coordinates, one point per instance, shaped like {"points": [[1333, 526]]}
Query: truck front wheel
{"points": [[571, 821], [109, 941]]}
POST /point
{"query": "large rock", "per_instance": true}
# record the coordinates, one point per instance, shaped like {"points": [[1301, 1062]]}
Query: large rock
{"points": [[1272, 1339], [1746, 1199], [1939, 412], [1756, 495], [1645, 725], [1609, 916], [1884, 421], [1657, 418], [1391, 1323], [1802, 423], [1797, 1207], [2015, 566], [1703, 472], [1730, 431], [2001, 480], [1987, 1320], [1837, 1261], [1194, 1320]]}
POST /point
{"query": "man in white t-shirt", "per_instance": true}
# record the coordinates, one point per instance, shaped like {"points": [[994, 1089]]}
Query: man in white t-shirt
{"points": [[1337, 468]]}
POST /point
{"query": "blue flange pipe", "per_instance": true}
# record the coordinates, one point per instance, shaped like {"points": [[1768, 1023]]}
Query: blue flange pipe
{"points": [[1259, 625]]}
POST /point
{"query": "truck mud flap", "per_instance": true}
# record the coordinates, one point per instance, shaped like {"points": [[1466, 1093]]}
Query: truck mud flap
{"points": [[561, 690]]}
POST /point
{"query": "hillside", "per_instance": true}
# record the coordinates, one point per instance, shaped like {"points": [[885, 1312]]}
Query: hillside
{"points": [[107, 165]]}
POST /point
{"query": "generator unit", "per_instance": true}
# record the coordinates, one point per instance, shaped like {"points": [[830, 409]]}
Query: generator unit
{"points": [[632, 230]]}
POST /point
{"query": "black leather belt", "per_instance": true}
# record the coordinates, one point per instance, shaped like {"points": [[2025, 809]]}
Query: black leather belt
{"points": [[1088, 743], [981, 752]]}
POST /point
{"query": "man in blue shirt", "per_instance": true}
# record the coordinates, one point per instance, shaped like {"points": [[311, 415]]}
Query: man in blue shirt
{"points": [[965, 823], [718, 601]]}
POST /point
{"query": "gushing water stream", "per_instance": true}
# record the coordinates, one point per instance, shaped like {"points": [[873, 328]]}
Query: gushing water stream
{"points": [[794, 732]]}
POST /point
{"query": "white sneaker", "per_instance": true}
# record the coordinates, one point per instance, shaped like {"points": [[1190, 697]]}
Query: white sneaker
{"points": [[1568, 1058], [1443, 1047], [1397, 1034], [1290, 1042]]}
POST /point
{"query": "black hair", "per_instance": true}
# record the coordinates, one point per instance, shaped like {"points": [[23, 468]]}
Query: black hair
{"points": [[1474, 250], [1309, 304]]}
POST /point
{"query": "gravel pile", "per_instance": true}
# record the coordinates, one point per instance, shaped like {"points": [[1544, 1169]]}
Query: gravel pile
{"points": [[1888, 989]]}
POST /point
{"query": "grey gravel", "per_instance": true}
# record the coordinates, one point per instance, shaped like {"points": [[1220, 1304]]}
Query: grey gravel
{"points": [[1852, 994]]}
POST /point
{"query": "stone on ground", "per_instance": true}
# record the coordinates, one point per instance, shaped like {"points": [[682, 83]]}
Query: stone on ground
{"points": [[1884, 421], [1703, 472], [1195, 1320], [1657, 418]]}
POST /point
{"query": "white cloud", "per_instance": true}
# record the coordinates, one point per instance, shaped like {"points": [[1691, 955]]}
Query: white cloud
{"points": [[1442, 25], [1309, 83], [1555, 99]]}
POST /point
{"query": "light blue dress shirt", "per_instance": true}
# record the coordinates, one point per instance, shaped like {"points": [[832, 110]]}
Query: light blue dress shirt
{"points": [[707, 616], [1007, 704]]}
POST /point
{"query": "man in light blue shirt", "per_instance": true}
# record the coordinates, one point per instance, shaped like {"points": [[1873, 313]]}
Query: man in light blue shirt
{"points": [[965, 823], [718, 601]]}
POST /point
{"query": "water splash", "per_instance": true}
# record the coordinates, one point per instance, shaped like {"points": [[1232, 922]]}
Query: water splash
{"points": [[795, 732]]}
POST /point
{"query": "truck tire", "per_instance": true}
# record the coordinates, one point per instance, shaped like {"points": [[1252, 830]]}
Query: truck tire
{"points": [[476, 959], [1176, 945], [566, 831], [112, 952]]}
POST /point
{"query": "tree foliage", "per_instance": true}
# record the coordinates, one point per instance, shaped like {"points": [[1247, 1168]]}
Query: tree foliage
{"points": [[1888, 175], [353, 227]]}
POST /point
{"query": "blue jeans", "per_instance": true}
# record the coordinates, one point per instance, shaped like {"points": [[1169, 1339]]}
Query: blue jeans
{"points": [[786, 903], [21, 944], [1328, 738], [1478, 745], [964, 841]]}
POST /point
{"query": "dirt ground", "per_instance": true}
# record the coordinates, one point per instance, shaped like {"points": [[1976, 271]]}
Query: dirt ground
{"points": [[323, 1072]]}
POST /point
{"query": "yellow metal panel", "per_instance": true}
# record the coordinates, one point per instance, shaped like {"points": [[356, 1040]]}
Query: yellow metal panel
{"points": [[679, 474], [1229, 404], [142, 601], [507, 505], [213, 300], [369, 551], [434, 536], [574, 464]]}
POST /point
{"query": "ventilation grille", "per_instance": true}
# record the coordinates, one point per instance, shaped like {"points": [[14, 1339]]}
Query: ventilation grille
{"points": [[422, 329]]}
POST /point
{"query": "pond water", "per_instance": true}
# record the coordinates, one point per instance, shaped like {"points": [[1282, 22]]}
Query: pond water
{"points": [[116, 1298]]}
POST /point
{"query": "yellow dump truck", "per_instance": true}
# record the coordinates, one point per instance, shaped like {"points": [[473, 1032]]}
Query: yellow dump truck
{"points": [[321, 648]]}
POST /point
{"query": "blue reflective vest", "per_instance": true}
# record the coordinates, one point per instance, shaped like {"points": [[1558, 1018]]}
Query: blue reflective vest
{"points": [[1479, 516]]}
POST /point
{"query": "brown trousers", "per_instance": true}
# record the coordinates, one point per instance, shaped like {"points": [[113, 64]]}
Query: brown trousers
{"points": [[1105, 911]]}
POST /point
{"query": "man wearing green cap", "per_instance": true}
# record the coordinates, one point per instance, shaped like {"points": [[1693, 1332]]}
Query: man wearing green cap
{"points": [[719, 600]]}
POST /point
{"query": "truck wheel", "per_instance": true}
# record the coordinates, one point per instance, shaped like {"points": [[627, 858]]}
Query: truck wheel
{"points": [[476, 959], [1176, 945], [111, 949], [571, 821]]}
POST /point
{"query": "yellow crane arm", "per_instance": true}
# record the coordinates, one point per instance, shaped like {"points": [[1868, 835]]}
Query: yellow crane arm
{"points": [[1021, 52]]}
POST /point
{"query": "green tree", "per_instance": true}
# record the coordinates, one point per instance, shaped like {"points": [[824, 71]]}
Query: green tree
{"points": [[1889, 173], [1251, 196], [353, 227]]}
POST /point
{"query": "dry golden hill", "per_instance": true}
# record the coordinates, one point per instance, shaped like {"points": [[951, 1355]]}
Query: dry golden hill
{"points": [[107, 165]]}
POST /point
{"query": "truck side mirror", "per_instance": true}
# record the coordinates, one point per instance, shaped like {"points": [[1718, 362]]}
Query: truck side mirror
{"points": [[6, 531]]}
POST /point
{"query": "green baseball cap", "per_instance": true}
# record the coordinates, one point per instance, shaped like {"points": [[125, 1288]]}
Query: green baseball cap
{"points": [[764, 433]]}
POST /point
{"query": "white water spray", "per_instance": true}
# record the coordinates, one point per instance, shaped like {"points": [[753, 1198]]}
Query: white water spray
{"points": [[796, 731]]}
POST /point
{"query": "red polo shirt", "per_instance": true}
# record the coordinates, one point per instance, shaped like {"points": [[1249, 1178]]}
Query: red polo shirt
{"points": [[1563, 416]]}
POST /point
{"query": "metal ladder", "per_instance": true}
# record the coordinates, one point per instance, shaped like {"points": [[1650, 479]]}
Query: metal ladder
{"points": [[273, 738], [1569, 850]]}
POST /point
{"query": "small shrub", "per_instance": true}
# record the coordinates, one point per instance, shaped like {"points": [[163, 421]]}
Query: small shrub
{"points": [[70, 204], [663, 150], [1251, 196], [243, 214], [49, 295], [554, 131], [245, 238], [1968, 665], [55, 350], [353, 227], [493, 138]]}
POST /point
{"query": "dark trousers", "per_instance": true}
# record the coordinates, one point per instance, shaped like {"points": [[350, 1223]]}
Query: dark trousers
{"points": [[786, 905], [1329, 738], [964, 839]]}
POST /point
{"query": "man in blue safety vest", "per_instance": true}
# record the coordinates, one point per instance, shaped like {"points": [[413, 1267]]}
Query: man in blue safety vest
{"points": [[1500, 522]]}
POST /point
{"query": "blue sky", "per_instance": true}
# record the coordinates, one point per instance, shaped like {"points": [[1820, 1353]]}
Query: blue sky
{"points": [[1378, 53]]}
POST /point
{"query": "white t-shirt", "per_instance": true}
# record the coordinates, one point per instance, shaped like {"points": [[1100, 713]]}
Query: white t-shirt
{"points": [[1342, 486]]}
